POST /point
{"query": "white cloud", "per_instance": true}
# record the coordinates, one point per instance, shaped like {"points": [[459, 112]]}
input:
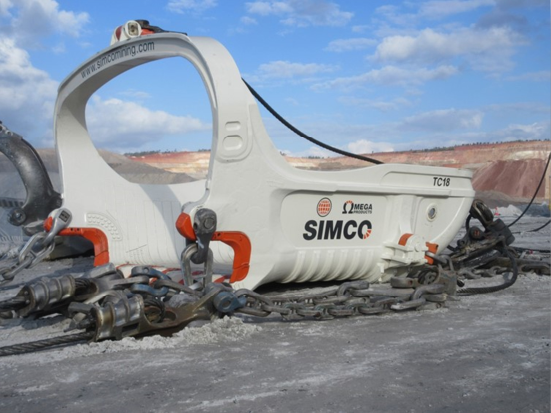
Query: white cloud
{"points": [[302, 13], [416, 12], [135, 94], [285, 69], [392, 14], [508, 109], [246, 20], [360, 28], [39, 18], [118, 124], [441, 9], [390, 75], [487, 50], [364, 146], [443, 120], [431, 130], [27, 93], [266, 8], [59, 48], [536, 130], [190, 6], [346, 45], [541, 76], [512, 132], [5, 5], [382, 105], [292, 101]]}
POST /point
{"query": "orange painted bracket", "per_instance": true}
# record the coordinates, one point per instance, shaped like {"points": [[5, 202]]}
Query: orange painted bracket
{"points": [[94, 235], [432, 247], [404, 238], [238, 241]]}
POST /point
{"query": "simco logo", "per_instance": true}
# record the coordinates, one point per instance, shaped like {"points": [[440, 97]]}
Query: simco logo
{"points": [[349, 207], [329, 229]]}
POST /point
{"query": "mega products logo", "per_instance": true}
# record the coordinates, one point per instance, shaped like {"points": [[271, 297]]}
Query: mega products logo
{"points": [[349, 207]]}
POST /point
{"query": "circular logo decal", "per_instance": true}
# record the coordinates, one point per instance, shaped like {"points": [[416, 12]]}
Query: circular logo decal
{"points": [[324, 207]]}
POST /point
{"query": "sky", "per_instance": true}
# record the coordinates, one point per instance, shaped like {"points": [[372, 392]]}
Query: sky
{"points": [[363, 76]]}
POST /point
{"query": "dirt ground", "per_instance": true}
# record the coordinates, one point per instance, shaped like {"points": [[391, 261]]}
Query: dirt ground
{"points": [[480, 354]]}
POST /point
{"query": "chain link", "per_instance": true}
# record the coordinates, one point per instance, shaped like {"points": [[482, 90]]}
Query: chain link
{"points": [[350, 299], [143, 304], [38, 247]]}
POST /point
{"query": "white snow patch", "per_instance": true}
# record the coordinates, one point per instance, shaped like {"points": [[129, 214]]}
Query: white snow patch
{"points": [[509, 211]]}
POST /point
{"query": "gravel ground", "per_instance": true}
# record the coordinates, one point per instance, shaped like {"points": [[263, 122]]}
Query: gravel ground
{"points": [[482, 353]]}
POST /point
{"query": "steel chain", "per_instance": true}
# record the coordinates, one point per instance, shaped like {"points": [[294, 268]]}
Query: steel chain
{"points": [[142, 305], [351, 299], [38, 247]]}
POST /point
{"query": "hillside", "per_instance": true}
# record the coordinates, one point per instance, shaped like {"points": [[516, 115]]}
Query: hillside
{"points": [[503, 172]]}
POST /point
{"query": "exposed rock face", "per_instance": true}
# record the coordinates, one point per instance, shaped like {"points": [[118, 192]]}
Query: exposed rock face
{"points": [[514, 178]]}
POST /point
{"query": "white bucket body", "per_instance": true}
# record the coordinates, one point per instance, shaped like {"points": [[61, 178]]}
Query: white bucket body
{"points": [[291, 225]]}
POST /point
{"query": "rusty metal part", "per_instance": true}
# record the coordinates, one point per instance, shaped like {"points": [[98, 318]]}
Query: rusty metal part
{"points": [[122, 315]]}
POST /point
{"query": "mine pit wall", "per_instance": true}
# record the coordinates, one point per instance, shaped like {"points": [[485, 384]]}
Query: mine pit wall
{"points": [[517, 178]]}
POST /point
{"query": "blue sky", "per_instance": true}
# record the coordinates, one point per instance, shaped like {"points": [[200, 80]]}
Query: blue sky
{"points": [[365, 76]]}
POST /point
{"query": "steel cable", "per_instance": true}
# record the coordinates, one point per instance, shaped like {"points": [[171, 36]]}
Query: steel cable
{"points": [[535, 193], [494, 288], [44, 344], [303, 135], [13, 303]]}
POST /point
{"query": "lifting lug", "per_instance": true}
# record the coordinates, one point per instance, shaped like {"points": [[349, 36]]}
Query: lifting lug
{"points": [[204, 226]]}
